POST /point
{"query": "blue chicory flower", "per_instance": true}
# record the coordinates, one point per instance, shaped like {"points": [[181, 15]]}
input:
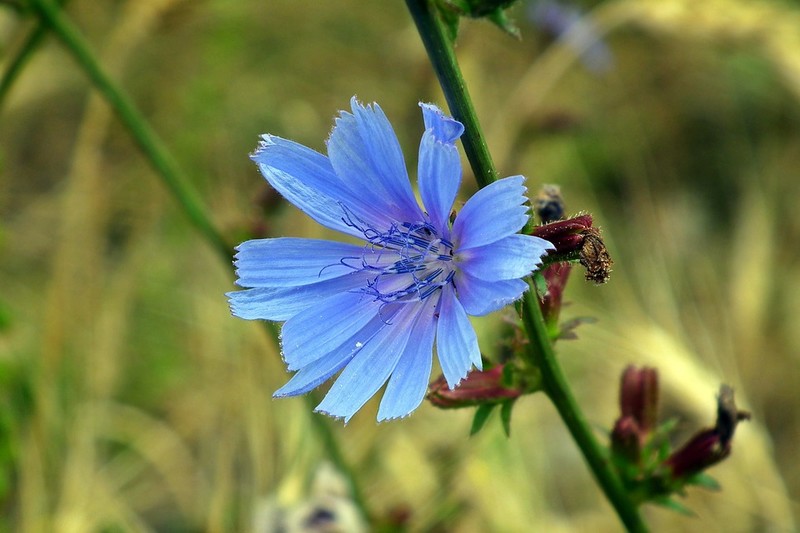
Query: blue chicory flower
{"points": [[374, 310]]}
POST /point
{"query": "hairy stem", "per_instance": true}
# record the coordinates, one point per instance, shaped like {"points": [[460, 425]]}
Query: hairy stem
{"points": [[539, 352]]}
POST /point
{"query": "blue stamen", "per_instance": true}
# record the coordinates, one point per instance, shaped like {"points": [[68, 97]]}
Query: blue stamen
{"points": [[412, 249]]}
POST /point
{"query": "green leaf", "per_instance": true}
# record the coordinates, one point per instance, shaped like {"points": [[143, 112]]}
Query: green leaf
{"points": [[481, 416], [505, 416], [671, 504], [704, 480]]}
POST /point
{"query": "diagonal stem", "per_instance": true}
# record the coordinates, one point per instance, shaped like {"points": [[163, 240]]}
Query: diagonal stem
{"points": [[539, 352], [145, 137], [20, 59], [443, 57], [179, 186]]}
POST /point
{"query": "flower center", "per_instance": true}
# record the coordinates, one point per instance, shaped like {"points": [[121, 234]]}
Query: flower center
{"points": [[410, 261]]}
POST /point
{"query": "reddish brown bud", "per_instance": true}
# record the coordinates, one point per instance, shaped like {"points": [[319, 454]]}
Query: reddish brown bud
{"points": [[566, 235], [626, 439], [710, 446], [556, 277], [576, 238], [638, 397], [702, 451], [479, 387]]}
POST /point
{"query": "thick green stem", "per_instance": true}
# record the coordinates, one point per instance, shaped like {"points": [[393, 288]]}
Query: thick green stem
{"points": [[443, 58], [170, 173], [539, 353]]}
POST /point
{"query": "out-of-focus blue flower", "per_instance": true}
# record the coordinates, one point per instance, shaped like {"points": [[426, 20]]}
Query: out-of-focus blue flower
{"points": [[567, 23], [374, 310]]}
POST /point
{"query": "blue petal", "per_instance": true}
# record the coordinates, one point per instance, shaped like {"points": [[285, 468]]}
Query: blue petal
{"points": [[326, 325], [515, 256], [483, 297], [370, 368], [305, 178], [318, 370], [364, 151], [409, 381], [456, 342], [282, 303], [494, 212], [438, 176], [288, 262], [315, 374], [445, 128]]}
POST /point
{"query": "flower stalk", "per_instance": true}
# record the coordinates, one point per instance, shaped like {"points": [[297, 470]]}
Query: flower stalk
{"points": [[145, 137], [539, 351], [169, 171]]}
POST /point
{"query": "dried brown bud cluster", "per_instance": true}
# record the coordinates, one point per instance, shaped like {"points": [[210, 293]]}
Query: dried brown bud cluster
{"points": [[594, 257]]}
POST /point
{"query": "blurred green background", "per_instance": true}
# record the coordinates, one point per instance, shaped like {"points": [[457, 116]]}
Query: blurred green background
{"points": [[130, 399]]}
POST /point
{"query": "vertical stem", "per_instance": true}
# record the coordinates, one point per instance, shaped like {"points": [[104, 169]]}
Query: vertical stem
{"points": [[539, 352], [443, 57]]}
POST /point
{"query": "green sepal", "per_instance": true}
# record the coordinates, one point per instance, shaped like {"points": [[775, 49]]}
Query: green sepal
{"points": [[673, 505], [702, 479], [481, 416], [501, 20], [493, 10], [450, 17]]}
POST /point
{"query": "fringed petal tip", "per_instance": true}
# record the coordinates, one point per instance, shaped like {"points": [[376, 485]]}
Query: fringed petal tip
{"points": [[265, 140], [344, 418], [238, 308], [446, 129], [392, 416]]}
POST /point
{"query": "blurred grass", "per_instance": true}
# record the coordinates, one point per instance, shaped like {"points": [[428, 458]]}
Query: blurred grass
{"points": [[132, 401]]}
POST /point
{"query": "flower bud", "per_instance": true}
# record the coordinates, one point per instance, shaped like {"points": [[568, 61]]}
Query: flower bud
{"points": [[556, 277], [566, 235], [702, 451], [638, 397], [575, 238], [709, 446], [478, 388], [626, 439], [638, 402]]}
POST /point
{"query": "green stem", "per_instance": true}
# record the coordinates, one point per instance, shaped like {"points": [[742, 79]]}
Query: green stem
{"points": [[443, 57], [167, 168], [15, 65], [539, 353], [144, 136]]}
